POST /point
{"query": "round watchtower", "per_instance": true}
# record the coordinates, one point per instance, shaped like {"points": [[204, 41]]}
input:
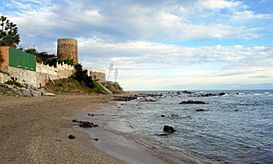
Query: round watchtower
{"points": [[67, 49]]}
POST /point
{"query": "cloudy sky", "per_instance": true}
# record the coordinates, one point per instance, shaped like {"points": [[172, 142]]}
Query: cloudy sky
{"points": [[158, 44]]}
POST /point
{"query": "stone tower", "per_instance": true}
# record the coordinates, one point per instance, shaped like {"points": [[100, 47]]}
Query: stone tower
{"points": [[67, 49]]}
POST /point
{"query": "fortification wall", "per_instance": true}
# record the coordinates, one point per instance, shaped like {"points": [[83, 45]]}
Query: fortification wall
{"points": [[97, 74], [23, 76], [43, 74]]}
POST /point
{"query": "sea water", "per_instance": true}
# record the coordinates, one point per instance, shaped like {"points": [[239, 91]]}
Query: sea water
{"points": [[234, 128]]}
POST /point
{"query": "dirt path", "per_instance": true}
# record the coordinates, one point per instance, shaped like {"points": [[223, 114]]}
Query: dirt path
{"points": [[36, 130]]}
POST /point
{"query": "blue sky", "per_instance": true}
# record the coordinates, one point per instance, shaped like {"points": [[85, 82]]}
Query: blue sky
{"points": [[157, 45]]}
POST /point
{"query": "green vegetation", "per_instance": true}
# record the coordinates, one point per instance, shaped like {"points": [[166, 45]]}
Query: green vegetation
{"points": [[8, 33], [43, 57], [13, 81], [79, 83], [81, 76], [114, 87], [72, 86]]}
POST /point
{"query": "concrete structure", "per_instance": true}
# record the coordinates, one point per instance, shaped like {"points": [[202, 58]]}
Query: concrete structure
{"points": [[97, 74], [67, 49]]}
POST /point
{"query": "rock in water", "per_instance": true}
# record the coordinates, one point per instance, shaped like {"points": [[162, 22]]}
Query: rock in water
{"points": [[192, 102], [221, 94], [168, 129], [201, 110]]}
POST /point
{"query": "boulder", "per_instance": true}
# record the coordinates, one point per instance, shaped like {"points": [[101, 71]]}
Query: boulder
{"points": [[221, 94], [26, 92], [168, 129]]}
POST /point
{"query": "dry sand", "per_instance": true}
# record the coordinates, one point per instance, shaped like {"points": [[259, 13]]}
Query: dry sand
{"points": [[36, 130]]}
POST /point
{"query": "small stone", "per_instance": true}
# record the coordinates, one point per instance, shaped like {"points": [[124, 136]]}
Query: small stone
{"points": [[71, 137], [162, 115], [96, 139]]}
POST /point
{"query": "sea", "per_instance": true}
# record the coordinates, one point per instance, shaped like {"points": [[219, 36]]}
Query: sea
{"points": [[236, 127]]}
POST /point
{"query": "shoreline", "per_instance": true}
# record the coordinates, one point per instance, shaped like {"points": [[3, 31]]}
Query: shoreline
{"points": [[36, 130], [129, 148]]}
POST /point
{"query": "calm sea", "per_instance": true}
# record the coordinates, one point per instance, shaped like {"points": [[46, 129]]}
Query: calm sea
{"points": [[234, 128]]}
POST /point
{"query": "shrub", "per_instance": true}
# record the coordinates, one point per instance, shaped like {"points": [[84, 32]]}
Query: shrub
{"points": [[13, 81], [81, 76]]}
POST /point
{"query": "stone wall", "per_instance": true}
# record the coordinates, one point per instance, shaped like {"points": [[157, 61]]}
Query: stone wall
{"points": [[23, 76], [4, 77], [43, 74], [97, 74]]}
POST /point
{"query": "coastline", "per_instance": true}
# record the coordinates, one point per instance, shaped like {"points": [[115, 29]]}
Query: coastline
{"points": [[36, 130], [127, 147]]}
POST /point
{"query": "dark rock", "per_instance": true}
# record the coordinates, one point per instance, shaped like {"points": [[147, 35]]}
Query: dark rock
{"points": [[192, 102], [236, 110], [168, 129], [86, 124], [208, 95], [75, 121], [96, 139], [187, 92], [90, 114], [221, 94], [71, 137], [162, 134], [201, 110], [162, 115], [174, 115], [125, 98]]}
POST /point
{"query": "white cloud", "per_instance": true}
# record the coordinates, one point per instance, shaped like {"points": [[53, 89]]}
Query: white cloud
{"points": [[247, 14], [218, 4]]}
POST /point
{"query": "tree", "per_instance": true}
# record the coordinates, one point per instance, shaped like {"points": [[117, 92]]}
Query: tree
{"points": [[81, 76], [8, 33]]}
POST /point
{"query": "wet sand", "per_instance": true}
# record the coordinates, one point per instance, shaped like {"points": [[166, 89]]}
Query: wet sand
{"points": [[36, 130]]}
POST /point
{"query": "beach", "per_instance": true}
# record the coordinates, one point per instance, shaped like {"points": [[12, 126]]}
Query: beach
{"points": [[36, 130]]}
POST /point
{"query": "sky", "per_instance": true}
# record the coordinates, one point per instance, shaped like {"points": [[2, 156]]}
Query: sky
{"points": [[158, 44]]}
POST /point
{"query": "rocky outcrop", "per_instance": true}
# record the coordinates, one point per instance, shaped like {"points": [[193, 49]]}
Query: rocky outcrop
{"points": [[125, 98], [192, 102], [13, 90], [86, 124]]}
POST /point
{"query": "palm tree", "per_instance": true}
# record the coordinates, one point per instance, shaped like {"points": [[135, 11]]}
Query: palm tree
{"points": [[9, 33]]}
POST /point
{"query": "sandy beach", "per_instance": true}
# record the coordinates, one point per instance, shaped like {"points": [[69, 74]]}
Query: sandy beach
{"points": [[36, 130]]}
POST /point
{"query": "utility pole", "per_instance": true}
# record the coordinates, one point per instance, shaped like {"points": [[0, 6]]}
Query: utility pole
{"points": [[109, 70], [116, 74]]}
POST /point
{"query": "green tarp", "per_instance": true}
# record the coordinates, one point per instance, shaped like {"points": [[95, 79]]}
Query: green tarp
{"points": [[20, 59]]}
